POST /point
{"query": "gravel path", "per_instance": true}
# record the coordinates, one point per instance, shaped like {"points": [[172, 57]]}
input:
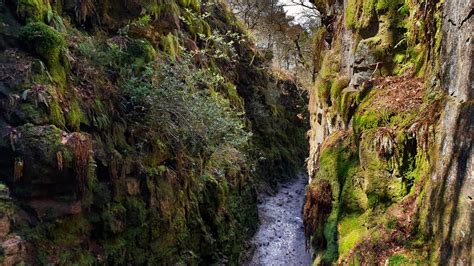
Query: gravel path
{"points": [[280, 239]]}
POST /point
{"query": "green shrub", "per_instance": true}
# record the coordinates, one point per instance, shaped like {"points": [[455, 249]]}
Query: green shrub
{"points": [[141, 51], [190, 113]]}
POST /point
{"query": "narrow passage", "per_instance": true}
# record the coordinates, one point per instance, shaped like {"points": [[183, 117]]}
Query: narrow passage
{"points": [[280, 239]]}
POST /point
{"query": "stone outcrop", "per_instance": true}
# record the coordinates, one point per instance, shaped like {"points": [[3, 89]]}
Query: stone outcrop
{"points": [[391, 131], [449, 199]]}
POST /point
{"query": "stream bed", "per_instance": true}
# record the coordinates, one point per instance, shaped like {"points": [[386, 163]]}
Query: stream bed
{"points": [[280, 238]]}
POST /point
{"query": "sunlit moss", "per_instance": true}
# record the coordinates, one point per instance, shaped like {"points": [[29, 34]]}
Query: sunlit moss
{"points": [[74, 116], [34, 10], [351, 230], [171, 46], [193, 4], [359, 13], [49, 45], [56, 114]]}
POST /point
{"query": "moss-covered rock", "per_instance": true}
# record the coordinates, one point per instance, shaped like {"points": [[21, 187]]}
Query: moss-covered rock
{"points": [[141, 51], [49, 45], [34, 10]]}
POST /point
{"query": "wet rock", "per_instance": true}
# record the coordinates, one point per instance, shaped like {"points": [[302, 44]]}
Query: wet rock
{"points": [[452, 180], [133, 186], [4, 225], [14, 250], [49, 209], [4, 192]]}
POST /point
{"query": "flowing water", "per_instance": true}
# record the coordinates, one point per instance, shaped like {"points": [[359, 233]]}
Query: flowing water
{"points": [[280, 239]]}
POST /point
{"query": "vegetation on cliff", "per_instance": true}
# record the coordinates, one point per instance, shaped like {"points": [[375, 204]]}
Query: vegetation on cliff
{"points": [[137, 132], [376, 107]]}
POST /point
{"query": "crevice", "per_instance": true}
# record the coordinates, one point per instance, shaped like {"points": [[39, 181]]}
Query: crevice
{"points": [[467, 18], [452, 22]]}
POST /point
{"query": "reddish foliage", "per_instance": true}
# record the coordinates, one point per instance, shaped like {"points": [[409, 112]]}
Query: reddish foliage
{"points": [[399, 93], [317, 207]]}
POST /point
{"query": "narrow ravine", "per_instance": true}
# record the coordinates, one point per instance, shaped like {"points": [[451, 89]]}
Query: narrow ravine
{"points": [[280, 239]]}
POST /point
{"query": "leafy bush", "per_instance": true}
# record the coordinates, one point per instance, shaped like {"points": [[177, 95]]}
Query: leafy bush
{"points": [[178, 100]]}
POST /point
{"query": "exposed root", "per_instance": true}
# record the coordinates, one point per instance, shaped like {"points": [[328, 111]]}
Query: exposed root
{"points": [[82, 147], [384, 142], [317, 207], [18, 169]]}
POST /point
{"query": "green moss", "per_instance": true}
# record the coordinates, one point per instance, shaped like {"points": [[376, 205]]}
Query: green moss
{"points": [[351, 231], [353, 198], [158, 9], [367, 120], [330, 67], [171, 46], [318, 46], [32, 114], [56, 114], [114, 218], [67, 231], [337, 86], [230, 92], [382, 187], [115, 249], [348, 102], [331, 64], [331, 235], [74, 116], [193, 4], [140, 51], [414, 169], [384, 5], [34, 10], [398, 260], [49, 45], [359, 13], [338, 163], [136, 211]]}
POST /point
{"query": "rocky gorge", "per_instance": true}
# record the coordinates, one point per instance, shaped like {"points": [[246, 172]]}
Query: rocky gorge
{"points": [[158, 132]]}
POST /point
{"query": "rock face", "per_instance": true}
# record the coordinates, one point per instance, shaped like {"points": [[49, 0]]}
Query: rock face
{"points": [[451, 187], [391, 133], [137, 132]]}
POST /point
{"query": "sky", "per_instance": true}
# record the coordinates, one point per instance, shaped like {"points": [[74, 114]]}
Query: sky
{"points": [[292, 10]]}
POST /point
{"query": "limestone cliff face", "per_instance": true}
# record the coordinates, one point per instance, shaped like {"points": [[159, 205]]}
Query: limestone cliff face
{"points": [[449, 201], [136, 132], [391, 133]]}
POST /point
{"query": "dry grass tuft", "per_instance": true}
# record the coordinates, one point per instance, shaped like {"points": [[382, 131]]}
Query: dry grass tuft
{"points": [[399, 93], [81, 147]]}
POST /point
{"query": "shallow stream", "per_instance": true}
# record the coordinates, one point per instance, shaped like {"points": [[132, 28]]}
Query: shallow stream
{"points": [[280, 239]]}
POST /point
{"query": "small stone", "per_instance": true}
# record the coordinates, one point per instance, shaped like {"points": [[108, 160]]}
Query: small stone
{"points": [[4, 192], [4, 226]]}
